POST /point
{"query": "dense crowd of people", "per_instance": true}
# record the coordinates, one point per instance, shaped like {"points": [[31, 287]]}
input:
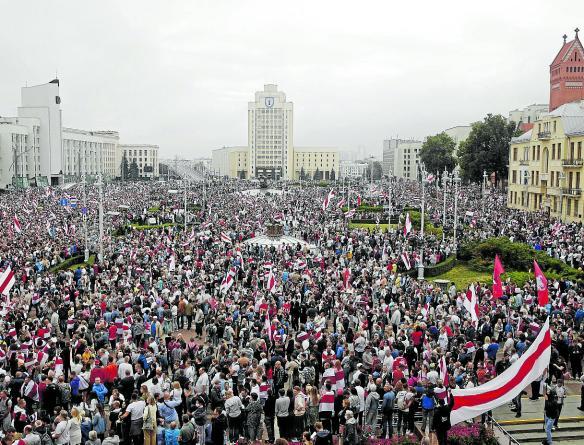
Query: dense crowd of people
{"points": [[207, 335]]}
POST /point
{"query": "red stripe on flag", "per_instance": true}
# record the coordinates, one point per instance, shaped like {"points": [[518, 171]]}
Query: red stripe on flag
{"points": [[9, 278], [479, 399]]}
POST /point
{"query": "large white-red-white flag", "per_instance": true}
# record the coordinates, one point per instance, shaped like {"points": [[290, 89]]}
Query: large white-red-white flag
{"points": [[327, 200], [472, 402], [7, 280], [406, 260], [341, 203]]}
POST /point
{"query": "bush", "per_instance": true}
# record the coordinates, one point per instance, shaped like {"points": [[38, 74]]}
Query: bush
{"points": [[429, 228], [474, 434], [366, 208]]}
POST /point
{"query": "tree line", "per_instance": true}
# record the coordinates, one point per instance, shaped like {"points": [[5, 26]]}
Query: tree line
{"points": [[485, 149]]}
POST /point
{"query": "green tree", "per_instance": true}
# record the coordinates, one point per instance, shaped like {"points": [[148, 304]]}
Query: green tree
{"points": [[486, 148], [134, 173], [437, 153], [333, 175], [317, 175], [124, 168], [302, 174]]}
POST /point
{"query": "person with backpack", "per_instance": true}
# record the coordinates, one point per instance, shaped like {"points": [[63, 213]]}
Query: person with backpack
{"points": [[387, 408], [44, 432], [402, 408], [65, 390], [550, 414], [441, 422], [428, 405]]}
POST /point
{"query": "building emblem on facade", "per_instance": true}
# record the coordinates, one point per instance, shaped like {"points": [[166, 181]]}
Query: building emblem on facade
{"points": [[269, 102]]}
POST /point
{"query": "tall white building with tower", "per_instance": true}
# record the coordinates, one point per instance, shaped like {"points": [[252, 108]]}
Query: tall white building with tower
{"points": [[270, 133]]}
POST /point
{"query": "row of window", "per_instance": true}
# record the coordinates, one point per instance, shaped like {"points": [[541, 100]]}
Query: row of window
{"points": [[575, 69], [535, 201]]}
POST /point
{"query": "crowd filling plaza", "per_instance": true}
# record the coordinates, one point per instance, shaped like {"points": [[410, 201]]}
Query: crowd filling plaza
{"points": [[217, 333]]}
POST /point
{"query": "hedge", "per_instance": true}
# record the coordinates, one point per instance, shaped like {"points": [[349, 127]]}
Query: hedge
{"points": [[66, 264], [366, 208], [438, 269], [515, 257]]}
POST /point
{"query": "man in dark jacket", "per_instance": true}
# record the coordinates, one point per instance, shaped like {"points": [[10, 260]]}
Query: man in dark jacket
{"points": [[218, 427], [323, 436], [441, 421]]}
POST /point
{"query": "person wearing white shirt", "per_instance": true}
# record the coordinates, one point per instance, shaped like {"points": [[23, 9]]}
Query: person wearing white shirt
{"points": [[122, 367], [202, 385], [61, 433]]}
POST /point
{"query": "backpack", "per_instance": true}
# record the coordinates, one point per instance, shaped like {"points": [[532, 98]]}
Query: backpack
{"points": [[389, 406], [65, 393], [428, 402], [401, 400], [46, 438]]}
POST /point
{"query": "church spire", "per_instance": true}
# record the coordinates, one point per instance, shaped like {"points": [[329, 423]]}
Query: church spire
{"points": [[577, 30], [564, 37]]}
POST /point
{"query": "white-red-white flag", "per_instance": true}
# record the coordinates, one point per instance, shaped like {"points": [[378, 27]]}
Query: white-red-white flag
{"points": [[405, 257], [228, 280], [225, 237], [471, 304], [341, 203], [17, 225], [350, 213], [358, 200], [328, 199], [407, 225], [543, 296], [271, 281], [472, 402], [7, 280]]}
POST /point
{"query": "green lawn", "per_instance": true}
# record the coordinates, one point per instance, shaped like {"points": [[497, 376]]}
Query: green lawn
{"points": [[370, 227], [462, 275]]}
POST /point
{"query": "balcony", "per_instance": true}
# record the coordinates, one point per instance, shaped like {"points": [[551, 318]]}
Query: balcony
{"points": [[544, 135], [543, 176], [524, 162], [571, 192], [572, 162]]}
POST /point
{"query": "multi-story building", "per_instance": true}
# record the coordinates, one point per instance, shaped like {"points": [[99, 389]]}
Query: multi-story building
{"points": [[145, 156], [19, 152], [525, 117], [316, 163], [89, 153], [270, 125], [458, 134], [567, 73], [546, 164], [231, 161], [401, 158], [352, 169], [35, 148], [270, 152]]}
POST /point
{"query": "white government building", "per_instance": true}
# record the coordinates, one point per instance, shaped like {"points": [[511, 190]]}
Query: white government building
{"points": [[35, 148], [401, 157], [270, 151]]}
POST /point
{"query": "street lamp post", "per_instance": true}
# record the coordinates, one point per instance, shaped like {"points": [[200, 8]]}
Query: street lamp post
{"points": [[562, 176], [185, 204], [456, 180], [421, 263], [390, 209], [100, 209], [445, 178], [484, 189]]}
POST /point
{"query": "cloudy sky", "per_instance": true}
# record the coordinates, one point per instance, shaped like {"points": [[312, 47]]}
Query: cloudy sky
{"points": [[180, 73]]}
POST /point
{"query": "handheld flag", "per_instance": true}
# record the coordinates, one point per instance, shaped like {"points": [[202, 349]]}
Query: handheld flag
{"points": [[543, 296], [408, 225], [497, 283]]}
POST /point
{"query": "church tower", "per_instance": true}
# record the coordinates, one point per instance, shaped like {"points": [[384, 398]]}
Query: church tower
{"points": [[567, 73]]}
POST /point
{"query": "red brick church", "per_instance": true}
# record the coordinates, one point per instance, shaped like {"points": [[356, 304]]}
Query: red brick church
{"points": [[567, 73]]}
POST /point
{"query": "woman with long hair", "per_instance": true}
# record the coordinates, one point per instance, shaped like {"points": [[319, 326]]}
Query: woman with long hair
{"points": [[149, 421], [75, 426], [313, 401]]}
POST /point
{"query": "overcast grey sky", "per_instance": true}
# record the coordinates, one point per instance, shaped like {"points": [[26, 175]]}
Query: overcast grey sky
{"points": [[180, 73]]}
